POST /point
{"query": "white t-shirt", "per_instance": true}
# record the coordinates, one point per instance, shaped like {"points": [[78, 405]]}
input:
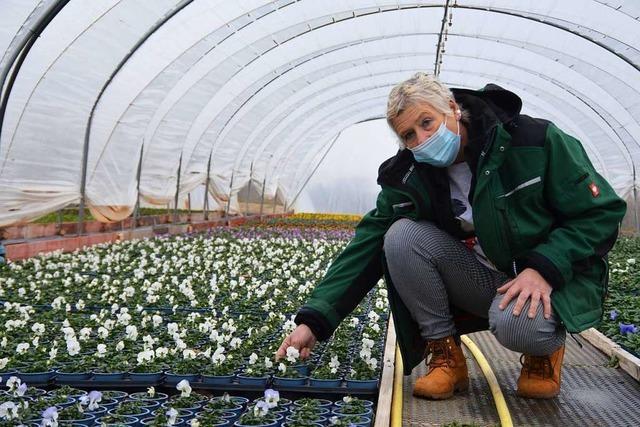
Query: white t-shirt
{"points": [[460, 184]]}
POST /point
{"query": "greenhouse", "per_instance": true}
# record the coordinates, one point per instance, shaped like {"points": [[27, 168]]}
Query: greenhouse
{"points": [[271, 212]]}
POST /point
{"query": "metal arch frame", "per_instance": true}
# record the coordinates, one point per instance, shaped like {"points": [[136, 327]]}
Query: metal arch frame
{"points": [[99, 157], [492, 77], [328, 117], [20, 54], [296, 105], [493, 40], [309, 30], [384, 57], [547, 23], [410, 7], [40, 81], [313, 156], [496, 10], [87, 136], [551, 81], [380, 12]]}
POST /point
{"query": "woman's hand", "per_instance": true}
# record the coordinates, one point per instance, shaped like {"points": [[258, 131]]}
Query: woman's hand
{"points": [[301, 338], [528, 284]]}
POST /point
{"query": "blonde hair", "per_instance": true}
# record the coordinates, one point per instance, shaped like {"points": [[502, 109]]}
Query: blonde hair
{"points": [[420, 88]]}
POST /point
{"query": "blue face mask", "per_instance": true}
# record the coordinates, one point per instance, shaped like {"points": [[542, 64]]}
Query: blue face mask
{"points": [[440, 149]]}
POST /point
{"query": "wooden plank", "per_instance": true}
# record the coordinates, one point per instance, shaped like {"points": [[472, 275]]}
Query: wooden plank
{"points": [[383, 411], [628, 362]]}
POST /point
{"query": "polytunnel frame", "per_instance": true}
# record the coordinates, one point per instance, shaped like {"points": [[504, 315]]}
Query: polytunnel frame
{"points": [[379, 10], [490, 9], [544, 77], [489, 38]]}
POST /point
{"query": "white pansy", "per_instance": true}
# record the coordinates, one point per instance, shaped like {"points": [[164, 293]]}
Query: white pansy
{"points": [[184, 388], [101, 350], [103, 332], [73, 347], [253, 358], [131, 332], [22, 347], [145, 356], [119, 346], [292, 354], [38, 328]]}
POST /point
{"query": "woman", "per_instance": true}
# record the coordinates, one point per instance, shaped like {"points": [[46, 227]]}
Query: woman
{"points": [[484, 213]]}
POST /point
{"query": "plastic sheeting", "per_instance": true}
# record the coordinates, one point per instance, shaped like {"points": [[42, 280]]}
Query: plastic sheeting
{"points": [[262, 88]]}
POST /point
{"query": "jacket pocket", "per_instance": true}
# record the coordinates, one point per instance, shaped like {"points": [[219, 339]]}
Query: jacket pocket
{"points": [[524, 188]]}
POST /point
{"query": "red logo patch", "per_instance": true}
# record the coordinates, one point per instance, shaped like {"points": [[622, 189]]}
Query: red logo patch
{"points": [[595, 191]]}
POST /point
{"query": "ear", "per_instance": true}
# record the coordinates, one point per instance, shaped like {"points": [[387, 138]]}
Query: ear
{"points": [[456, 109]]}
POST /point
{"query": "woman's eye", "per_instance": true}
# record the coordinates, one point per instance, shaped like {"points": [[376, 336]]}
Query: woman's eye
{"points": [[408, 136], [426, 123]]}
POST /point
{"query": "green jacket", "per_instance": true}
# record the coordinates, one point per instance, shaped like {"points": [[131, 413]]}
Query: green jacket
{"points": [[537, 202]]}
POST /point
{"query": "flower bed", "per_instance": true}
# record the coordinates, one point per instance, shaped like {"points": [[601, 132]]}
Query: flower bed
{"points": [[209, 308], [23, 405], [622, 307]]}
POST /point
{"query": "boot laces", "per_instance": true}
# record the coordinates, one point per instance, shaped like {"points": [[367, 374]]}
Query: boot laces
{"points": [[440, 355], [539, 366]]}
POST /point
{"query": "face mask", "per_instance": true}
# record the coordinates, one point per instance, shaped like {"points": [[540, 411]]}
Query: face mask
{"points": [[440, 149]]}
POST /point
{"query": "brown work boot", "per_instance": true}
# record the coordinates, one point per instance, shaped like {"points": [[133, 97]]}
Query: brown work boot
{"points": [[540, 375], [447, 371]]}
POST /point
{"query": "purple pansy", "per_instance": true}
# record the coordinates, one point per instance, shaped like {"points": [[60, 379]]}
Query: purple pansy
{"points": [[628, 328]]}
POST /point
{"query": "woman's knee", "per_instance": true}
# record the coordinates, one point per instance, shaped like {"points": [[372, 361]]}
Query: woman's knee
{"points": [[398, 239], [536, 336]]}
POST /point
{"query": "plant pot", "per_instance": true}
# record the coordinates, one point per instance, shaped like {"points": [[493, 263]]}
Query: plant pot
{"points": [[109, 403], [149, 421], [362, 422], [322, 403], [172, 379], [338, 412], [366, 403], [35, 377], [71, 377], [286, 382], [255, 381], [143, 395], [217, 379], [143, 413], [151, 405], [88, 420], [145, 378], [362, 384], [108, 377], [271, 424], [127, 421], [317, 382], [183, 414], [115, 394]]}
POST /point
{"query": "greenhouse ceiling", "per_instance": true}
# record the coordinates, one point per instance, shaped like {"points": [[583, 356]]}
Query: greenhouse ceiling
{"points": [[105, 99]]}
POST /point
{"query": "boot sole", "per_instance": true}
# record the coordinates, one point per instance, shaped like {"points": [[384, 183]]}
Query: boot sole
{"points": [[461, 386]]}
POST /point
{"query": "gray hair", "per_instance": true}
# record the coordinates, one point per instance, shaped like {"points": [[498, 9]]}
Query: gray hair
{"points": [[420, 88]]}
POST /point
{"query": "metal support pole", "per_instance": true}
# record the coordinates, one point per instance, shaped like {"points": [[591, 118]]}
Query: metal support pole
{"points": [[262, 196], [136, 210], [249, 190], [226, 211], [315, 169], [175, 202], [205, 204]]}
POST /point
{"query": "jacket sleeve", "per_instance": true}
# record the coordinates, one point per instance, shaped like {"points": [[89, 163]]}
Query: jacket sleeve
{"points": [[351, 275], [588, 212]]}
